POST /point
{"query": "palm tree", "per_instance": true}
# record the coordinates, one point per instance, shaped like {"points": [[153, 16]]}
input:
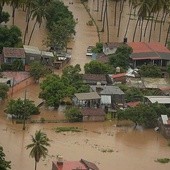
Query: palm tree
{"points": [[38, 13], [144, 10], [38, 146]]}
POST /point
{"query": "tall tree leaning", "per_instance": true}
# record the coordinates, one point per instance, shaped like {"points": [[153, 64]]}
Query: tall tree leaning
{"points": [[39, 12]]}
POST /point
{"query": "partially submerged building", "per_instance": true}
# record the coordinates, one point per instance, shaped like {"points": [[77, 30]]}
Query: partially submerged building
{"points": [[164, 126], [73, 165]]}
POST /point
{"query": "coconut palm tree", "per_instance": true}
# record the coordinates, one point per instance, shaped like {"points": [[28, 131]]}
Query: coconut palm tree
{"points": [[38, 13], [132, 4], [143, 12], [38, 146]]}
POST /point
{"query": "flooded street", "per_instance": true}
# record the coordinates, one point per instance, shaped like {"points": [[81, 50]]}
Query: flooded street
{"points": [[108, 146]]}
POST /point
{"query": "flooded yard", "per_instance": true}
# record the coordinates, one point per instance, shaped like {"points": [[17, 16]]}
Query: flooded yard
{"points": [[108, 146]]}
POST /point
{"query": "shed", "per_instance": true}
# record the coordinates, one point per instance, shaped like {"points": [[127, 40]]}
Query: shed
{"points": [[159, 99], [91, 99], [93, 79], [93, 114], [11, 54]]}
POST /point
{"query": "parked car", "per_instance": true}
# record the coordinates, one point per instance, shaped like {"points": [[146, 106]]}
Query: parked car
{"points": [[89, 51]]}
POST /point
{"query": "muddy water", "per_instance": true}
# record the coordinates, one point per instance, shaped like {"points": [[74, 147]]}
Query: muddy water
{"points": [[131, 149]]}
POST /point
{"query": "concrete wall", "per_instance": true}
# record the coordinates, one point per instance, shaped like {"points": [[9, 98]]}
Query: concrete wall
{"points": [[21, 85], [94, 118]]}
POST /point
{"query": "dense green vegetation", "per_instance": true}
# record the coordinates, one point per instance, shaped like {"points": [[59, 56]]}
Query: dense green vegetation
{"points": [[21, 109], [96, 67], [121, 58], [73, 114], [60, 25], [10, 37], [55, 88], [150, 70], [16, 65], [3, 91], [145, 115], [38, 70], [4, 165]]}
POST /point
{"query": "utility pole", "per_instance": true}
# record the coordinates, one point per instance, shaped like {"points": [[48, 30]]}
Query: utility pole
{"points": [[24, 109]]}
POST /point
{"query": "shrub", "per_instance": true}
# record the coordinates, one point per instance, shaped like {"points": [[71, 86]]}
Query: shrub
{"points": [[73, 114]]}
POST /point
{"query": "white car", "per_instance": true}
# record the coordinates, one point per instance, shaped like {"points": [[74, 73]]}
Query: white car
{"points": [[89, 51]]}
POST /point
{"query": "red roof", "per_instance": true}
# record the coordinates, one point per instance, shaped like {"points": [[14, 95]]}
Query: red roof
{"points": [[133, 104], [118, 75], [70, 165], [142, 47]]}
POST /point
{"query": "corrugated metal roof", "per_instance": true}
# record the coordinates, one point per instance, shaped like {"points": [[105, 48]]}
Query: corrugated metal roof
{"points": [[109, 90], [105, 99], [159, 99], [87, 96], [31, 49]]}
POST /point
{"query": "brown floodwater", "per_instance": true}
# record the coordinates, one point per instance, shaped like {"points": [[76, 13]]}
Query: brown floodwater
{"points": [[131, 149]]}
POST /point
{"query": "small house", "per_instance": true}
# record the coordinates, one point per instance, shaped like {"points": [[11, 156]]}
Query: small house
{"points": [[110, 95], [153, 52], [12, 54], [93, 114], [164, 126], [91, 99], [93, 79], [34, 54]]}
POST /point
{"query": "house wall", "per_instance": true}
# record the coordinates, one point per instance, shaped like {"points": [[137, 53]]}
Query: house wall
{"points": [[21, 85], [32, 57], [164, 129], [94, 118], [10, 60]]}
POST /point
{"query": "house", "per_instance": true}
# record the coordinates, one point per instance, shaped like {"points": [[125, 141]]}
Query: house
{"points": [[110, 95], [12, 54], [34, 54], [93, 79], [121, 77], [93, 114], [164, 126], [152, 52], [91, 99], [73, 165]]}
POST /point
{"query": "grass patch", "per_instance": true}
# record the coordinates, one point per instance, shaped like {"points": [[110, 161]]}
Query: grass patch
{"points": [[67, 129], [163, 160], [107, 150]]}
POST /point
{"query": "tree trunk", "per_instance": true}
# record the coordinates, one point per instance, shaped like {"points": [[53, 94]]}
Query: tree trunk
{"points": [[107, 22], [26, 29], [97, 5], [160, 29], [150, 34], [165, 17], [13, 15], [32, 32], [115, 13], [146, 26], [135, 29], [141, 31], [167, 35], [104, 16], [35, 165], [156, 20], [102, 11], [127, 27], [120, 17]]}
